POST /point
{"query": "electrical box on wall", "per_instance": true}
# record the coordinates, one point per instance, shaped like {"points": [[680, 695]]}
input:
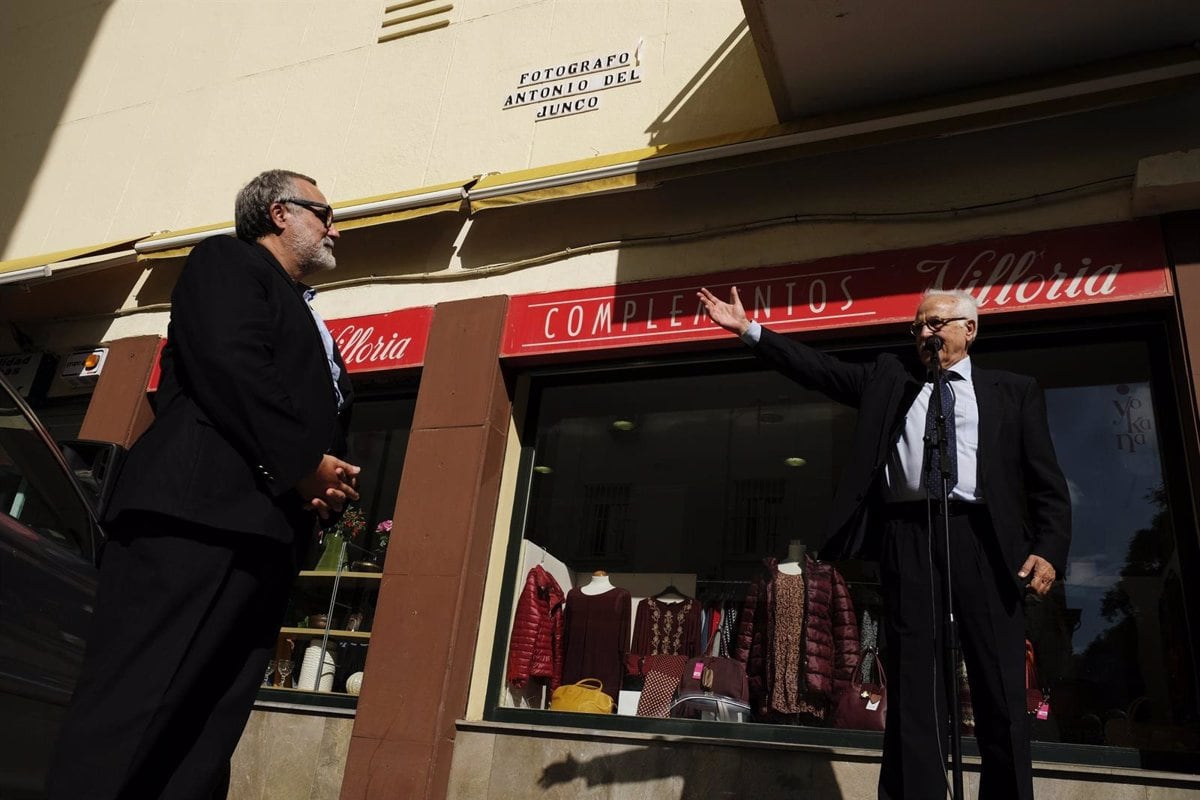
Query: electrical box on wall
{"points": [[79, 372], [29, 373]]}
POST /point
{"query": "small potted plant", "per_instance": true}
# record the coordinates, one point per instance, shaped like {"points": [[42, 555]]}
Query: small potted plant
{"points": [[343, 534]]}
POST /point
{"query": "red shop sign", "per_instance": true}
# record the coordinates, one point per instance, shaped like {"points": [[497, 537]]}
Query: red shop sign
{"points": [[372, 343], [1098, 264]]}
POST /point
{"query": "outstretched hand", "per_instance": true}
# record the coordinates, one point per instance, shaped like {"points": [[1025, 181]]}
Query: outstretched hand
{"points": [[731, 316], [1040, 574], [329, 486]]}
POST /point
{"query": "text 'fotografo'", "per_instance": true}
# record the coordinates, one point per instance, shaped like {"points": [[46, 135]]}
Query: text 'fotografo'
{"points": [[561, 90]]}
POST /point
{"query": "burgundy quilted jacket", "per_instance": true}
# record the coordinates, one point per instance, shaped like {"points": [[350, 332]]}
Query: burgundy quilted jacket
{"points": [[829, 636], [536, 648]]}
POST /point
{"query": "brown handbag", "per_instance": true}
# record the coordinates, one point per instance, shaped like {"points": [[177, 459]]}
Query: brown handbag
{"points": [[862, 706], [715, 675]]}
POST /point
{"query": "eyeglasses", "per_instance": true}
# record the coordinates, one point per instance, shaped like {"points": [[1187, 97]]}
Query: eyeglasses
{"points": [[935, 324], [321, 211]]}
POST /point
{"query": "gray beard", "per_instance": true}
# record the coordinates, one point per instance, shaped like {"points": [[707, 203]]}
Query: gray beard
{"points": [[313, 259], [322, 260]]}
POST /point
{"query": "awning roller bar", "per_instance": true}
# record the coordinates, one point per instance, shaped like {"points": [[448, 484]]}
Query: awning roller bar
{"points": [[340, 213]]}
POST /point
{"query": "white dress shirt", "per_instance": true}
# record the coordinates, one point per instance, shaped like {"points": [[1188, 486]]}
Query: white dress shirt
{"points": [[903, 474]]}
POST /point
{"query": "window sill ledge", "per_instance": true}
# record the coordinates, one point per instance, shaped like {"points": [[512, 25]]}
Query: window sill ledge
{"points": [[1058, 769]]}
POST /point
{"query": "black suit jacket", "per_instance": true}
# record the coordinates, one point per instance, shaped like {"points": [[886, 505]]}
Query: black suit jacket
{"points": [[245, 404], [1019, 476]]}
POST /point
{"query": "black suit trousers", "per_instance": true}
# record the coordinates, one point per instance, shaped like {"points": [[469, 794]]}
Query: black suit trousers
{"points": [[991, 627], [186, 619]]}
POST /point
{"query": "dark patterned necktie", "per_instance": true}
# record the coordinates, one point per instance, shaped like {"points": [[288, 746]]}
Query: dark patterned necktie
{"points": [[933, 464]]}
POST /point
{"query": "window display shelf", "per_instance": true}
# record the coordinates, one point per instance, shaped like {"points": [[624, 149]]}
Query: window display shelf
{"points": [[331, 604], [366, 576], [298, 690], [316, 633]]}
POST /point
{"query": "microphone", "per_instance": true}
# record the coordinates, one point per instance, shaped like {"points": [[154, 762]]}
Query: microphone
{"points": [[933, 344]]}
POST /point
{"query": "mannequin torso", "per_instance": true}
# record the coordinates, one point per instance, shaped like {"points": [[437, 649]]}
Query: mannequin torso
{"points": [[794, 563], [599, 584]]}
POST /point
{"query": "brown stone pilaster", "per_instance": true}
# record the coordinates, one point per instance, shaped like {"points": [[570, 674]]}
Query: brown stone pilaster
{"points": [[427, 619], [1181, 233]]}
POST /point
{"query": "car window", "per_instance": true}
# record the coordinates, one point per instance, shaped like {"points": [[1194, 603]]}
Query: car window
{"points": [[34, 488]]}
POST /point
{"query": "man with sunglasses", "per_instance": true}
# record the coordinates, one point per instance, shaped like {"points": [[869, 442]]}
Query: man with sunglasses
{"points": [[1009, 515], [214, 508]]}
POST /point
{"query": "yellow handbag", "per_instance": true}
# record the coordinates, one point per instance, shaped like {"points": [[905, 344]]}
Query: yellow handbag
{"points": [[585, 696]]}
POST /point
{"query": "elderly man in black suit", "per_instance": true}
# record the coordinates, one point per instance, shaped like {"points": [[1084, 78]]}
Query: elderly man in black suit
{"points": [[1010, 525], [212, 508]]}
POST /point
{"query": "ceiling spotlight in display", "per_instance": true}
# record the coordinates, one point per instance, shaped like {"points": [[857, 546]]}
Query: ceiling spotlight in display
{"points": [[795, 461]]}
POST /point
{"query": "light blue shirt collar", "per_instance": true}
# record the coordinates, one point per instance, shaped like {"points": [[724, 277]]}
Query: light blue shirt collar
{"points": [[335, 371]]}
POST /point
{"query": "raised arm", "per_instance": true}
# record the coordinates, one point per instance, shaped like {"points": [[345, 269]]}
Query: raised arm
{"points": [[812, 369]]}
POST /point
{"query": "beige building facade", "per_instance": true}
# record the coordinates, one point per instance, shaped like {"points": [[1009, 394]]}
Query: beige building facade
{"points": [[517, 185]]}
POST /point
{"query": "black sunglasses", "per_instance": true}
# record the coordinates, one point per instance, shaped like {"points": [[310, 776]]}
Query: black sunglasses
{"points": [[934, 324], [322, 211]]}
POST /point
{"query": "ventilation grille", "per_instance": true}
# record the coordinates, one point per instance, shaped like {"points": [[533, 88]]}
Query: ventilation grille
{"points": [[413, 16], [605, 520], [755, 517]]}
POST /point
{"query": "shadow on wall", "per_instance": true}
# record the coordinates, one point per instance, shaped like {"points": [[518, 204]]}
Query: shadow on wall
{"points": [[35, 85], [697, 773], [813, 204], [708, 104]]}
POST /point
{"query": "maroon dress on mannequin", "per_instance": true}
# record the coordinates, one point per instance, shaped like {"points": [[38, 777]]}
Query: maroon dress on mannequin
{"points": [[597, 637]]}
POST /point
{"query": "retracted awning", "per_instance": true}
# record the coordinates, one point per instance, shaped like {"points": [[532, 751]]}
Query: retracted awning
{"points": [[616, 171], [170, 244], [362, 213], [47, 264], [410, 204]]}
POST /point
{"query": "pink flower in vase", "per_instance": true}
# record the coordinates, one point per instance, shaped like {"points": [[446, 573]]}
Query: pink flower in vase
{"points": [[383, 533]]}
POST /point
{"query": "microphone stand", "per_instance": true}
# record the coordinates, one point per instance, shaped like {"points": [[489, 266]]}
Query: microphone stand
{"points": [[950, 624]]}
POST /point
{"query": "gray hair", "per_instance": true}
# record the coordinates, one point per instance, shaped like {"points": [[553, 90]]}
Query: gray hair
{"points": [[965, 304], [252, 209]]}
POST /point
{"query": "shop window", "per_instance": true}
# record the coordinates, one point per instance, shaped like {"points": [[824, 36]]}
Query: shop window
{"points": [[718, 466], [323, 646]]}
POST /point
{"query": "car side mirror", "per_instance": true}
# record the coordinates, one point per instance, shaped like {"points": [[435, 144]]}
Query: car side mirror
{"points": [[96, 466]]}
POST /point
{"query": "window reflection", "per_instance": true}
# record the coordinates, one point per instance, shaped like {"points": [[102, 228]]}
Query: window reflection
{"points": [[1126, 677]]}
